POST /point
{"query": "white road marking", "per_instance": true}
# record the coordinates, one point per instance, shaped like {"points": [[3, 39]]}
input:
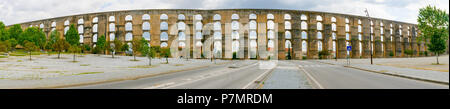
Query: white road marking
{"points": [[312, 78], [246, 86], [161, 85], [201, 77]]}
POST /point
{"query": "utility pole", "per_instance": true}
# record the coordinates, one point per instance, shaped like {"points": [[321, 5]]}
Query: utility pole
{"points": [[370, 42]]}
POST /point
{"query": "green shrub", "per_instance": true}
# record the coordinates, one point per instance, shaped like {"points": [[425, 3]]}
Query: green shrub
{"points": [[323, 54], [408, 52]]}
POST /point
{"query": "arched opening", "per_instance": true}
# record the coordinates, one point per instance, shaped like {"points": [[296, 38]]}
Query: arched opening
{"points": [[112, 19], [288, 49], [129, 36], [146, 35], [164, 36], [304, 48]]}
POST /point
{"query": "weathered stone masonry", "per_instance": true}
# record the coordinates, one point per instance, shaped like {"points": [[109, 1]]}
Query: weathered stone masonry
{"points": [[275, 32]]}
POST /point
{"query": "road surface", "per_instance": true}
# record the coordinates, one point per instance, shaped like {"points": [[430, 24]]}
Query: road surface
{"points": [[243, 74], [338, 77], [238, 75]]}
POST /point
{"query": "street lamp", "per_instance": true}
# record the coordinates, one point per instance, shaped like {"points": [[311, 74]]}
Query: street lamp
{"points": [[370, 42]]}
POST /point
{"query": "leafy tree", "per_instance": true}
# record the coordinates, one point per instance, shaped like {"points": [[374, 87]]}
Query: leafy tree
{"points": [[110, 47], [409, 52], [437, 43], [165, 52], [146, 50], [323, 54], [33, 34], [4, 46], [3, 32], [60, 45], [433, 23], [124, 47], [74, 49], [117, 45], [85, 48], [30, 47], [101, 43], [54, 36], [72, 36], [13, 43], [136, 46], [14, 32]]}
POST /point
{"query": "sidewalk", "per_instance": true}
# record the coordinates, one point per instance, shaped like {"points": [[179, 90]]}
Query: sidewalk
{"points": [[391, 67], [45, 72]]}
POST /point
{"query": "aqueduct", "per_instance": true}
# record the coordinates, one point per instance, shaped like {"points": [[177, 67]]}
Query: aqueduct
{"points": [[249, 33]]}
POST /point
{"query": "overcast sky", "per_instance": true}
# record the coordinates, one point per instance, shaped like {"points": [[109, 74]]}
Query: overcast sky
{"points": [[18, 11]]}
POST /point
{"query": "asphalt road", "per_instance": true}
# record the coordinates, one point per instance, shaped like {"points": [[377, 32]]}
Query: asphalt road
{"points": [[215, 77], [338, 77], [243, 74]]}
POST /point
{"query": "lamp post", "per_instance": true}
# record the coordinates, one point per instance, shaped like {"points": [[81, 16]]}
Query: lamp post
{"points": [[370, 42]]}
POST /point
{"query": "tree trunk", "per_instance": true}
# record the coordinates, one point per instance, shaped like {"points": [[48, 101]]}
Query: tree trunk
{"points": [[437, 60], [30, 55], [59, 54], [150, 61], [167, 60], [73, 57], [134, 55]]}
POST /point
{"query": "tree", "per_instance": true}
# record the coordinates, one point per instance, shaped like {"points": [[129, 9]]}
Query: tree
{"points": [[165, 52], [72, 36], [4, 46], [124, 47], [117, 46], [33, 34], [324, 54], [13, 43], [85, 48], [110, 47], [433, 24], [437, 43], [14, 32], [136, 45], [409, 52], [146, 50], [3, 32], [101, 43], [60, 45], [54, 36], [30, 47], [74, 49]]}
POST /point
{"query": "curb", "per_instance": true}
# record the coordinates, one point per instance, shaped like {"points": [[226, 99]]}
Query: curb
{"points": [[396, 75], [120, 79]]}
